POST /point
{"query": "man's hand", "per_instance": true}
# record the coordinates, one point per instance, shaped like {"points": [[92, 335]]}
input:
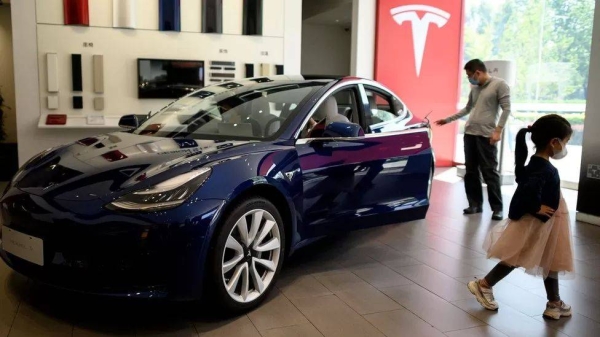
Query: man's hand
{"points": [[441, 122], [546, 211], [496, 136]]}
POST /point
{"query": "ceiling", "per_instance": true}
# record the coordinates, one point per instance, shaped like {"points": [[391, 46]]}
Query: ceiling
{"points": [[340, 14]]}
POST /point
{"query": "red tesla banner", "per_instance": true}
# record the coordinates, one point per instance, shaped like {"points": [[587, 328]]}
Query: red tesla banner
{"points": [[419, 57]]}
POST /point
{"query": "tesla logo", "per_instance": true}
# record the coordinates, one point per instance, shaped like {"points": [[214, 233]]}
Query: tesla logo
{"points": [[420, 26]]}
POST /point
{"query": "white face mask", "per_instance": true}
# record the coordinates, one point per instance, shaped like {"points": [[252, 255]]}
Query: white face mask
{"points": [[563, 153]]}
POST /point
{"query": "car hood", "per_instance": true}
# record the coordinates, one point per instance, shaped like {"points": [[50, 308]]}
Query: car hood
{"points": [[103, 166]]}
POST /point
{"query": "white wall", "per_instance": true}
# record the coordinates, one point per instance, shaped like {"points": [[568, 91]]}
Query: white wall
{"points": [[325, 50], [36, 35], [364, 26], [7, 78]]}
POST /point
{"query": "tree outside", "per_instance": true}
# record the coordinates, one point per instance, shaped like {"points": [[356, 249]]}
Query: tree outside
{"points": [[550, 41]]}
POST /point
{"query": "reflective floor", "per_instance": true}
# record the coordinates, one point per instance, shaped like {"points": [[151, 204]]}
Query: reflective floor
{"points": [[402, 280]]}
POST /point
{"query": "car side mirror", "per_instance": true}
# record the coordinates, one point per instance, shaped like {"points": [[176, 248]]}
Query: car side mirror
{"points": [[343, 130], [129, 122]]}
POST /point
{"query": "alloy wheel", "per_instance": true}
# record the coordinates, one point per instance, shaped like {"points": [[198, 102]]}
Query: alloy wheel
{"points": [[251, 256]]}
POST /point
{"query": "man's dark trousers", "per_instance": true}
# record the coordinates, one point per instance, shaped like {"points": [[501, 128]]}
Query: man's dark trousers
{"points": [[481, 156]]}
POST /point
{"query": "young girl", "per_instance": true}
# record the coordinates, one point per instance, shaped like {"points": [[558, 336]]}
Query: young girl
{"points": [[536, 236]]}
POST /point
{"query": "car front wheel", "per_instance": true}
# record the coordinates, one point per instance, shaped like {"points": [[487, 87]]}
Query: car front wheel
{"points": [[248, 254]]}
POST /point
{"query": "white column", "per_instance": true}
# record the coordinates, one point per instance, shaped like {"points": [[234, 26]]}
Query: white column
{"points": [[364, 22]]}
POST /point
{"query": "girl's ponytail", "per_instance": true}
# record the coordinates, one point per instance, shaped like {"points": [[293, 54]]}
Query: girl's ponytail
{"points": [[521, 153]]}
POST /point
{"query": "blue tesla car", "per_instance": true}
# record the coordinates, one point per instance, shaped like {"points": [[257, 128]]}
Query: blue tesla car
{"points": [[214, 191]]}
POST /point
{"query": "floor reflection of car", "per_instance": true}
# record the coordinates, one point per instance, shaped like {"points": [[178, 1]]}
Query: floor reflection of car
{"points": [[213, 192]]}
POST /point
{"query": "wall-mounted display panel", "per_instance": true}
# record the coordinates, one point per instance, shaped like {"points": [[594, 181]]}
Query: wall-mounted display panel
{"points": [[212, 16], [169, 15], [249, 70], [52, 102], [253, 17], [52, 71], [76, 72], [98, 66], [124, 13], [169, 78], [279, 69], [76, 12], [77, 102], [120, 62], [265, 69], [99, 103], [221, 71]]}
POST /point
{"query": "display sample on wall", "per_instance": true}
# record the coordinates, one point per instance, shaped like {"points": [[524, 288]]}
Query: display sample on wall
{"points": [[169, 15], [76, 72], [76, 12], [279, 69], [77, 102], [249, 70], [212, 16], [52, 71], [169, 78], [265, 69], [52, 102], [99, 103], [253, 17], [124, 13], [221, 71], [98, 66]]}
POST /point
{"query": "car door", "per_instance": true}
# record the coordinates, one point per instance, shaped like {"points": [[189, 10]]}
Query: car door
{"points": [[399, 178], [341, 176]]}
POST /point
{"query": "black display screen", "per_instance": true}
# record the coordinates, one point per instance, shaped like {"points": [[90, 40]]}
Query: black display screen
{"points": [[169, 78]]}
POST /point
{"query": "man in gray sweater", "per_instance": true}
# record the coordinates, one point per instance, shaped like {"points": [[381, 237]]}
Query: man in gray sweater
{"points": [[483, 131]]}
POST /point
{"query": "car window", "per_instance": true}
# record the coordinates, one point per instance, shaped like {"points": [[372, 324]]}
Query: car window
{"points": [[339, 107], [253, 114], [381, 109]]}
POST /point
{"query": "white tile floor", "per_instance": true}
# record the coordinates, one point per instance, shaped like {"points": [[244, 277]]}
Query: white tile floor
{"points": [[401, 280]]}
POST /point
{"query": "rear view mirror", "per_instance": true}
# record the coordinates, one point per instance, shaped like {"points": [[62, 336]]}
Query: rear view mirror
{"points": [[343, 130]]}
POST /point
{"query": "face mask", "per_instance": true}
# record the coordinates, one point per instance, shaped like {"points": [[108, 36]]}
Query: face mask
{"points": [[562, 153], [473, 81]]}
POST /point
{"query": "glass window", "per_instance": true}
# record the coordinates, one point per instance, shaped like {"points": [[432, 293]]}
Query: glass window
{"points": [[341, 107], [549, 40], [380, 108], [241, 113]]}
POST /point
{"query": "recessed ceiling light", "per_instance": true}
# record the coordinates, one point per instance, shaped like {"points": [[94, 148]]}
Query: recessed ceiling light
{"points": [[337, 20]]}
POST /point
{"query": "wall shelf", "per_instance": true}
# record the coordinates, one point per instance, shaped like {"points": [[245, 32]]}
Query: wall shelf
{"points": [[80, 122]]}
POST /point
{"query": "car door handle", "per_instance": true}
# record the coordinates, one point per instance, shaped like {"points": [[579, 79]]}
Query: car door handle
{"points": [[416, 147]]}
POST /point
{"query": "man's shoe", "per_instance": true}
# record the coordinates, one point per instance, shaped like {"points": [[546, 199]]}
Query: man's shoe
{"points": [[472, 210], [497, 215]]}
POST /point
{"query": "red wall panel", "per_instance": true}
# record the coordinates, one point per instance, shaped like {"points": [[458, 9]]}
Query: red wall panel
{"points": [[419, 57], [76, 12]]}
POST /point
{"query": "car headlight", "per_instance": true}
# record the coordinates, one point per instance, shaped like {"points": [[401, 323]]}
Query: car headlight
{"points": [[168, 194]]}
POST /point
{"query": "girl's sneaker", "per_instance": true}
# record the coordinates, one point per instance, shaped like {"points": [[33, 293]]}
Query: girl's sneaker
{"points": [[556, 311], [485, 296]]}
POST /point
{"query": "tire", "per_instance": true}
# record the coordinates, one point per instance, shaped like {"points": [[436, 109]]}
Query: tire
{"points": [[244, 270]]}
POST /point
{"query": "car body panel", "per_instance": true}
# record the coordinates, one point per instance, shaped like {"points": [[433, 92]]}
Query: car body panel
{"points": [[326, 185]]}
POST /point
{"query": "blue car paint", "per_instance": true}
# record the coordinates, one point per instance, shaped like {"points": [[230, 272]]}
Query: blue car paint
{"points": [[237, 166]]}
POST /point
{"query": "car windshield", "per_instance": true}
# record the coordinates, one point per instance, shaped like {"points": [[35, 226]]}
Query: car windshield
{"points": [[231, 111]]}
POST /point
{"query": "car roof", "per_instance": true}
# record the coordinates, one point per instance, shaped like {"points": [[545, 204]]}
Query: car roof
{"points": [[266, 82]]}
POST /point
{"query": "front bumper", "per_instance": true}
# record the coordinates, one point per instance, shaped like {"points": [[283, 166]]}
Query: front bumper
{"points": [[93, 250]]}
